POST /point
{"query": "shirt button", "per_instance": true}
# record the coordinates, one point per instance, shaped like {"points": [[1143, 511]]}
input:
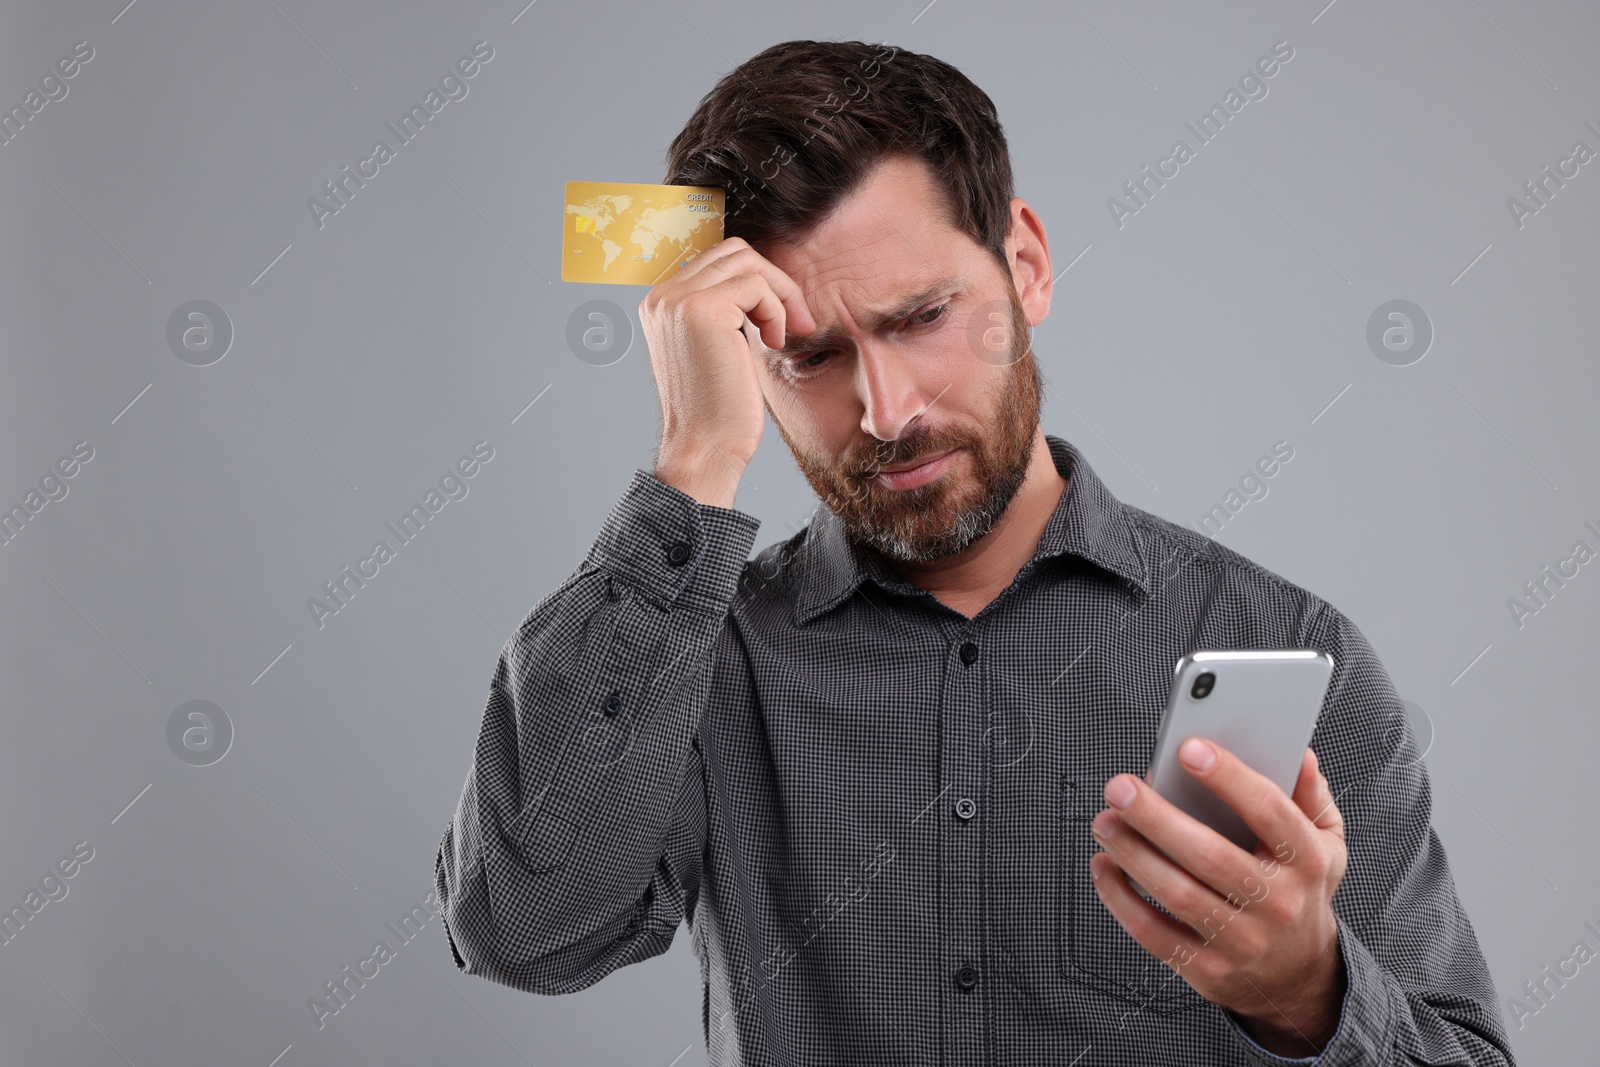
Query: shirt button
{"points": [[969, 653], [966, 807], [966, 977], [612, 705], [678, 553]]}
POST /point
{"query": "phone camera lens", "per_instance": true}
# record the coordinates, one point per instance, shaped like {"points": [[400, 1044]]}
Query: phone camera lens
{"points": [[1202, 685]]}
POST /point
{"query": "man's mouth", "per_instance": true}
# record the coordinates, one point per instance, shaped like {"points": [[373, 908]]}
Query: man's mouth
{"points": [[917, 472]]}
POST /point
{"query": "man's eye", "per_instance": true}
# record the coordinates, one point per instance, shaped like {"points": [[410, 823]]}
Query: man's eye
{"points": [[799, 367]]}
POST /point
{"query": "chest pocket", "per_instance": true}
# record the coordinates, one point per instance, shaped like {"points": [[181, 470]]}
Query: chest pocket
{"points": [[1095, 950]]}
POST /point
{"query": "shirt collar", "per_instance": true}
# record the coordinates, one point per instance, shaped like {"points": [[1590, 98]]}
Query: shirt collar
{"points": [[1088, 522]]}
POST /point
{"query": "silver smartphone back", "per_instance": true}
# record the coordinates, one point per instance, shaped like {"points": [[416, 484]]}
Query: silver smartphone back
{"points": [[1261, 705]]}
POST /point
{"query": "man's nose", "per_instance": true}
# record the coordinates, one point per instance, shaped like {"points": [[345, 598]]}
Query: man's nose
{"points": [[890, 390]]}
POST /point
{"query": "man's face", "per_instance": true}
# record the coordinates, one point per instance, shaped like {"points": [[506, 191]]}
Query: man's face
{"points": [[951, 368]]}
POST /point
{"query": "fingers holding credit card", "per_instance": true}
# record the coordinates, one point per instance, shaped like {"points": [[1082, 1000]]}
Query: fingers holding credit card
{"points": [[704, 289]]}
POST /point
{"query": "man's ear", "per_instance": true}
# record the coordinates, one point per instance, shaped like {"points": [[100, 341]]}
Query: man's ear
{"points": [[1028, 252]]}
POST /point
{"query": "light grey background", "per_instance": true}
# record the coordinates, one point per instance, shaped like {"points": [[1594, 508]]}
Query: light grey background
{"points": [[370, 354]]}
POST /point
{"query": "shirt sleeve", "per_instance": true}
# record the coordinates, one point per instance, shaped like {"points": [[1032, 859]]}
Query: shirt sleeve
{"points": [[576, 845], [1417, 989]]}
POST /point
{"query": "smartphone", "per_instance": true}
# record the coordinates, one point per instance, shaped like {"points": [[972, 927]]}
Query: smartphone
{"points": [[1261, 705]]}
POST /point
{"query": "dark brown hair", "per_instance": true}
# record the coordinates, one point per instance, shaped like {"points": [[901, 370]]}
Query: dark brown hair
{"points": [[790, 132]]}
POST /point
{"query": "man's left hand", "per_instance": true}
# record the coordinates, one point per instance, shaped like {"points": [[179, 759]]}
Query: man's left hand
{"points": [[1257, 934]]}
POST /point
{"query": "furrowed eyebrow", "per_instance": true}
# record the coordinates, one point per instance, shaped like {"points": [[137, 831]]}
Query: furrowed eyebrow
{"points": [[832, 338]]}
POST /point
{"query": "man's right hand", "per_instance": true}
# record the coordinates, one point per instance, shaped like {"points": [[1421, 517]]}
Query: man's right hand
{"points": [[711, 400]]}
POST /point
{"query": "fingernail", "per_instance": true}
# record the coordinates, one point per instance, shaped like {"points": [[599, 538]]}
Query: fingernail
{"points": [[1105, 824], [1120, 791], [1197, 755]]}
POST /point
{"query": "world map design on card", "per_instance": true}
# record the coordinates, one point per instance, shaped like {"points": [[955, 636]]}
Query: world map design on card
{"points": [[635, 234]]}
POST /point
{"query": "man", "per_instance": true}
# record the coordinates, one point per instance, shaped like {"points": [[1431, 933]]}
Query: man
{"points": [[889, 771]]}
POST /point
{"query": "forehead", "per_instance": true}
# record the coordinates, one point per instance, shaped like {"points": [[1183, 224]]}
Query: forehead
{"points": [[888, 237]]}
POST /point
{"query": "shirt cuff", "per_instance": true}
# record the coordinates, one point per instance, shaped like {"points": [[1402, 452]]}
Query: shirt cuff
{"points": [[1366, 1016], [671, 548]]}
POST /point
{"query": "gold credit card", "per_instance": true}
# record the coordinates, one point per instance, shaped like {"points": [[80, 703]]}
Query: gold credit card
{"points": [[634, 234]]}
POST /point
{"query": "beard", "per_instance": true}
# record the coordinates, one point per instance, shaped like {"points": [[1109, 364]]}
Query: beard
{"points": [[949, 513]]}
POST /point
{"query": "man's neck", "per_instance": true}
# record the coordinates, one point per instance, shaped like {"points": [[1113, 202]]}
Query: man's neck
{"points": [[970, 579]]}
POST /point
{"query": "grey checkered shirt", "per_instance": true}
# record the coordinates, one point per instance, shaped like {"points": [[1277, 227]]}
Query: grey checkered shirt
{"points": [[873, 812]]}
